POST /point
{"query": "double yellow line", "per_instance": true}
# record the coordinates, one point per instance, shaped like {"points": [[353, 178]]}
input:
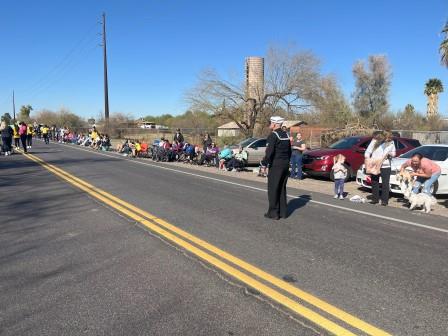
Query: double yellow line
{"points": [[247, 273]]}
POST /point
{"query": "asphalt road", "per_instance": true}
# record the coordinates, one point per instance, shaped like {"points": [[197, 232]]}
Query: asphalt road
{"points": [[71, 265]]}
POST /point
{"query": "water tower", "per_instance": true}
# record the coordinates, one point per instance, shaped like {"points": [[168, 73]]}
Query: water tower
{"points": [[255, 77]]}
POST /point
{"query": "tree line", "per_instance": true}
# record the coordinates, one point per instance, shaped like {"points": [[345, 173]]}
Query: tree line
{"points": [[295, 88]]}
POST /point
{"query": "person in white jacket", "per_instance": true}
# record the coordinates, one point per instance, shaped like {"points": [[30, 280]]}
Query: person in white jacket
{"points": [[382, 148]]}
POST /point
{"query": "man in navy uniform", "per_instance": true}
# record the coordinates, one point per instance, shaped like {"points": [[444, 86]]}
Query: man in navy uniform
{"points": [[277, 157]]}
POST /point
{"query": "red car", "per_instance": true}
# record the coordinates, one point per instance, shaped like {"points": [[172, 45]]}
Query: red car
{"points": [[318, 162]]}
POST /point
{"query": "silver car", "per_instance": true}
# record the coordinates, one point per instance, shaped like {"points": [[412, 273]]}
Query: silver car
{"points": [[255, 148]]}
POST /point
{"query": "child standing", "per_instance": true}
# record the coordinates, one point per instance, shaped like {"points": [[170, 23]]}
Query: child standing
{"points": [[340, 174]]}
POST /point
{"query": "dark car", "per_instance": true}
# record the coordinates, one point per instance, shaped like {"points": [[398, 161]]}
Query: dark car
{"points": [[318, 162]]}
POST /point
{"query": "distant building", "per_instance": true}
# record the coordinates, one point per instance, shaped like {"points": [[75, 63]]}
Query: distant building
{"points": [[230, 129]]}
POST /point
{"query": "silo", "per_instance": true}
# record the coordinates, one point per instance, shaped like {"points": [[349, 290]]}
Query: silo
{"points": [[255, 77]]}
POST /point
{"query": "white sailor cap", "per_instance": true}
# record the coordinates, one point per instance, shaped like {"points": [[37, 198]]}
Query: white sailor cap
{"points": [[277, 120]]}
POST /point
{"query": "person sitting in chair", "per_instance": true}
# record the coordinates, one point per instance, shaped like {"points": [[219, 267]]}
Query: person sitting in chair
{"points": [[225, 156], [238, 161]]}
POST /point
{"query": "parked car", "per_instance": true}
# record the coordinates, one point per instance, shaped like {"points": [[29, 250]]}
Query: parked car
{"points": [[437, 153], [255, 148], [319, 162]]}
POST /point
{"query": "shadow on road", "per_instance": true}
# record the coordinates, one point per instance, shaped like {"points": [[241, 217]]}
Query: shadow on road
{"points": [[298, 203]]}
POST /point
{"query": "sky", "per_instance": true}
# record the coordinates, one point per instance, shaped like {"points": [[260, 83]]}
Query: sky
{"points": [[51, 57]]}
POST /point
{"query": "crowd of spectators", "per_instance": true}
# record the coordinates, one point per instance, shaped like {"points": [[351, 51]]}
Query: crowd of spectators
{"points": [[207, 153], [92, 138]]}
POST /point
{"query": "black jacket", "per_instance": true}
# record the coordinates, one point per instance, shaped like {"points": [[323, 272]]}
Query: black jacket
{"points": [[278, 149], [7, 132], [179, 137]]}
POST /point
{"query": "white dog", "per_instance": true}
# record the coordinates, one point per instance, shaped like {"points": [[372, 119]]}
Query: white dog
{"points": [[422, 200]]}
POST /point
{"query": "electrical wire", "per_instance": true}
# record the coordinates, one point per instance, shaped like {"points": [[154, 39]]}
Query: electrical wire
{"points": [[61, 64]]}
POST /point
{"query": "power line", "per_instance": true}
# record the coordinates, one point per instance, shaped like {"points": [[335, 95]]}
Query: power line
{"points": [[62, 63], [67, 69]]}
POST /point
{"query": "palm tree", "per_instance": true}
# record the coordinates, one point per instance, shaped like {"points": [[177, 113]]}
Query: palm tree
{"points": [[432, 89], [443, 49]]}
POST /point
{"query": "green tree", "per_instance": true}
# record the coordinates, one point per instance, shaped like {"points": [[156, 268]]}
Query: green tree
{"points": [[443, 49], [330, 105], [372, 86], [433, 87], [24, 114], [408, 119], [7, 118]]}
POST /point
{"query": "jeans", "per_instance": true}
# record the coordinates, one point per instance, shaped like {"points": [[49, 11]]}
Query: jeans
{"points": [[296, 166], [339, 187], [23, 139], [385, 186], [6, 144], [427, 183]]}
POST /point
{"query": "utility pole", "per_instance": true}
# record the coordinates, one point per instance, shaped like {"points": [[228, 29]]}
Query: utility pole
{"points": [[106, 89], [13, 106]]}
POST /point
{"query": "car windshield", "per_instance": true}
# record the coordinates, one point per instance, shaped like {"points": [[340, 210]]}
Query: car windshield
{"points": [[435, 153], [246, 142], [345, 143]]}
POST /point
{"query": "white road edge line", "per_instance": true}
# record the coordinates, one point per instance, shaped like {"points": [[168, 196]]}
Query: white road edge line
{"points": [[117, 156]]}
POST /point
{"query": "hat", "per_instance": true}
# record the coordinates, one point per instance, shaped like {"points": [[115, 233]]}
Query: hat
{"points": [[277, 120]]}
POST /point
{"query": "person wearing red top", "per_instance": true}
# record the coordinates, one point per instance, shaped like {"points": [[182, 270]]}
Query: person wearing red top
{"points": [[22, 132], [426, 171]]}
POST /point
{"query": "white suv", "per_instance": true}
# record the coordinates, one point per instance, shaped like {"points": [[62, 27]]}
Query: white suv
{"points": [[436, 153]]}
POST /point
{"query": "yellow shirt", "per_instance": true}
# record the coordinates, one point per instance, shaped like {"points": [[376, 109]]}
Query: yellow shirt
{"points": [[16, 133], [44, 130], [94, 135], [138, 147]]}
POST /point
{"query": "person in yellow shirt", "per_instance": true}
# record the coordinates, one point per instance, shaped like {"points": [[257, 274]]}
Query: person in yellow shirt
{"points": [[29, 136], [94, 134], [16, 136], [136, 149], [44, 131]]}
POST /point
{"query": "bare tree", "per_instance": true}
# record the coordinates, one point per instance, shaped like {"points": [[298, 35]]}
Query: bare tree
{"points": [[63, 117], [291, 82], [330, 105], [372, 88]]}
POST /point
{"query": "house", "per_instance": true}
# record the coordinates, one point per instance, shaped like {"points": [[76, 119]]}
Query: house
{"points": [[230, 129]]}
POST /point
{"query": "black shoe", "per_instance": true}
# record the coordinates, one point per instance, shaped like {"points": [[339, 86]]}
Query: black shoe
{"points": [[373, 202], [383, 204], [270, 217]]}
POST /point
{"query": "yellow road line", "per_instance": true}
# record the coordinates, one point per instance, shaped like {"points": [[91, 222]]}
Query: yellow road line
{"points": [[346, 317]]}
